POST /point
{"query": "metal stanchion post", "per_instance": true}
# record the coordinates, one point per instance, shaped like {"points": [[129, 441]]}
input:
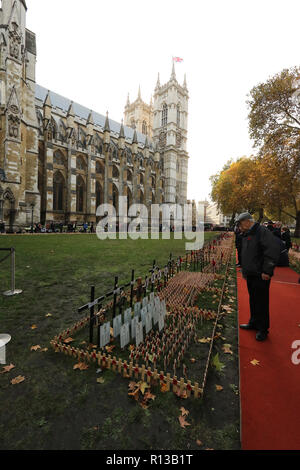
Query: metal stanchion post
{"points": [[13, 290]]}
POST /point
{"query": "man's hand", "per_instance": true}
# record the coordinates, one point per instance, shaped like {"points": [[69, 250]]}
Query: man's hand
{"points": [[265, 277]]}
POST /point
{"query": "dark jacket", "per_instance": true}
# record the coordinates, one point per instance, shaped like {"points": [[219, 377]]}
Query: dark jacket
{"points": [[284, 257], [238, 238], [277, 232], [286, 237], [260, 251]]}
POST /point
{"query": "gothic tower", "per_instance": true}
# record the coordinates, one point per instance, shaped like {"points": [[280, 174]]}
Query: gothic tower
{"points": [[170, 134], [19, 194], [139, 115]]}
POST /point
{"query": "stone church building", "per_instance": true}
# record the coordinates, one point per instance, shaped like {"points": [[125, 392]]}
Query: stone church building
{"points": [[60, 160]]}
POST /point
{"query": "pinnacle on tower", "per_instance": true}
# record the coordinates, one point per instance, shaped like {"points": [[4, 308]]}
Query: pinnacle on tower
{"points": [[134, 138], [122, 133], [90, 119], [139, 94], [70, 110], [128, 101], [146, 142], [158, 82], [107, 127], [47, 101], [173, 74], [184, 82]]}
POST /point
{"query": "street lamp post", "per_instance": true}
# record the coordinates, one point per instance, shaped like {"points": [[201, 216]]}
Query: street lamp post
{"points": [[32, 208]]}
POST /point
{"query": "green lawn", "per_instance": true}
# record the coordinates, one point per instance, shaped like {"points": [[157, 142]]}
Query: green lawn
{"points": [[59, 408]]}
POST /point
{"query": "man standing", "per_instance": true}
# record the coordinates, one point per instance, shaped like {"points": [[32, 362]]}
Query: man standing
{"points": [[260, 254], [238, 244], [286, 237]]}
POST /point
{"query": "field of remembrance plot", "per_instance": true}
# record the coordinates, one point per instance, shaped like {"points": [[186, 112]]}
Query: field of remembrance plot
{"points": [[157, 340], [52, 403]]}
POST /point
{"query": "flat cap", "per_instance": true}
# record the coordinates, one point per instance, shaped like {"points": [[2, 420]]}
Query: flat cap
{"points": [[244, 216]]}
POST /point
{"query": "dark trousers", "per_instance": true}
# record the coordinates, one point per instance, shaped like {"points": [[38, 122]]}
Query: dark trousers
{"points": [[259, 302], [239, 251]]}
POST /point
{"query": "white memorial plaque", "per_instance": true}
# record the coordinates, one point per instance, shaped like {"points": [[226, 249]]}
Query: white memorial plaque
{"points": [[150, 308], [152, 297], [161, 321], [124, 335], [148, 321], [117, 323], [155, 315], [139, 338], [104, 334], [137, 308], [143, 315], [127, 316], [134, 322]]}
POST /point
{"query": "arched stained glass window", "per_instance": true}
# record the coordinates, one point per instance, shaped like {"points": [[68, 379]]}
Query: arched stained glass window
{"points": [[99, 168], [99, 194], [178, 115], [80, 163], [144, 128], [58, 158], [164, 117], [80, 189], [58, 191]]}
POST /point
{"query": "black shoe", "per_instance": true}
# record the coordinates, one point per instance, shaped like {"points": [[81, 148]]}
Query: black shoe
{"points": [[261, 335], [247, 326]]}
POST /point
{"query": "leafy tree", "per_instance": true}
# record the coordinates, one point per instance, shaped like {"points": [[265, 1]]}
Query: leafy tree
{"points": [[274, 124], [240, 187]]}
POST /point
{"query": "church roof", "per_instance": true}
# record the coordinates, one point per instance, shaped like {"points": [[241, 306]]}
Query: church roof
{"points": [[82, 112]]}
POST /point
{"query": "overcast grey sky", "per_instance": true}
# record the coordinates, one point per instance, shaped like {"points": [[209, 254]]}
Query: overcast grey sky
{"points": [[95, 52]]}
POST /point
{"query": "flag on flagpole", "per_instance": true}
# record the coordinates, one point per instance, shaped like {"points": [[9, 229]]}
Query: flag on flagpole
{"points": [[177, 59]]}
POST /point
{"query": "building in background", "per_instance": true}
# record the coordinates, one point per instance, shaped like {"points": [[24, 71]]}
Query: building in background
{"points": [[215, 217], [60, 160], [165, 122]]}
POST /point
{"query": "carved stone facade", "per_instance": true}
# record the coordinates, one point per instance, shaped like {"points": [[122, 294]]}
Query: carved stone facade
{"points": [[139, 115], [60, 160], [19, 193]]}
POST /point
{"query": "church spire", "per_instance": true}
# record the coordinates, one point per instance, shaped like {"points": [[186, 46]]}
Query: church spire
{"points": [[128, 101], [134, 138], [139, 93], [70, 110], [90, 119], [122, 134], [158, 82], [173, 74], [107, 127], [184, 82], [70, 117], [47, 101]]}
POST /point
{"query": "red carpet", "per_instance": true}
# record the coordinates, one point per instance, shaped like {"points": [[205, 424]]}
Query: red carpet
{"points": [[270, 391]]}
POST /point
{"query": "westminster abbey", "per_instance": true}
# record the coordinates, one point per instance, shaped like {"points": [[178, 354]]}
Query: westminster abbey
{"points": [[59, 160]]}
